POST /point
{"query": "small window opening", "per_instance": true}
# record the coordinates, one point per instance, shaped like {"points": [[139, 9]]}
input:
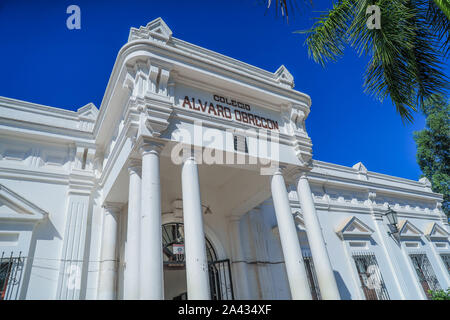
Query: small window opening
{"points": [[83, 163], [240, 143]]}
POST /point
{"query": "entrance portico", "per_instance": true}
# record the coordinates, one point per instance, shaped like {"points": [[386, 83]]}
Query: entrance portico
{"points": [[176, 139], [225, 193]]}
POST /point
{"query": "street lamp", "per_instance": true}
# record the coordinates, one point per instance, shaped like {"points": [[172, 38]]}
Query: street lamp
{"points": [[393, 220]]}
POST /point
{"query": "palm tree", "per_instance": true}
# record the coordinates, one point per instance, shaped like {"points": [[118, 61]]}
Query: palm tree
{"points": [[406, 53]]}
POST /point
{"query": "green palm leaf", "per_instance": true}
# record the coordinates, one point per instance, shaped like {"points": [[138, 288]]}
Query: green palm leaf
{"points": [[405, 56], [444, 5]]}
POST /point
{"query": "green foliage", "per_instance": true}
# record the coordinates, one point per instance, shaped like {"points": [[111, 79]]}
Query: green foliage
{"points": [[444, 5], [433, 147], [439, 294], [406, 53]]}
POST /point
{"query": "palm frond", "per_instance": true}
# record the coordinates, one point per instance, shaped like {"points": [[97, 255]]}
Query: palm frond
{"points": [[439, 23], [405, 63], [388, 72], [444, 5], [326, 39], [424, 57]]}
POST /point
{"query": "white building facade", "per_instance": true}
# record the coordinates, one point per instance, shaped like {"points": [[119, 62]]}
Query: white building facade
{"points": [[195, 180]]}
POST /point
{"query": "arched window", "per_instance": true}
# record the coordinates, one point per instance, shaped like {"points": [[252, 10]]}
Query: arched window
{"points": [[220, 281], [173, 246]]}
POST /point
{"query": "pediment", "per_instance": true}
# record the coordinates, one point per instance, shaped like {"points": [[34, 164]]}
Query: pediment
{"points": [[425, 181], [360, 167], [284, 77], [436, 232], [408, 230], [15, 208], [353, 227], [88, 111]]}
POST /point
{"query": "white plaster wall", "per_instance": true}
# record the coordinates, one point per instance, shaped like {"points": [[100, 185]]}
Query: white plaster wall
{"points": [[46, 239]]}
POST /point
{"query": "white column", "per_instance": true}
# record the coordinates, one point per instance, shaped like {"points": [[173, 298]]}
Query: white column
{"points": [[194, 236], [132, 252], [239, 266], [322, 264], [151, 266], [108, 254], [295, 268]]}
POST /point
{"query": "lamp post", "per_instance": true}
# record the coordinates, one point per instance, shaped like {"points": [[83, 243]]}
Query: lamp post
{"points": [[393, 220]]}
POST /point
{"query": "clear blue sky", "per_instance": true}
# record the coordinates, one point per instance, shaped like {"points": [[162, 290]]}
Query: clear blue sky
{"points": [[43, 62]]}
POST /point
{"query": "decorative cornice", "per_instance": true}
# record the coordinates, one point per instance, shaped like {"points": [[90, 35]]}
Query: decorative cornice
{"points": [[156, 30], [345, 177]]}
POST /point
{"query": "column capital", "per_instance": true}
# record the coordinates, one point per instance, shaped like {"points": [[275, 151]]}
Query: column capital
{"points": [[113, 207], [190, 157], [134, 166], [280, 170], [300, 174], [149, 146]]}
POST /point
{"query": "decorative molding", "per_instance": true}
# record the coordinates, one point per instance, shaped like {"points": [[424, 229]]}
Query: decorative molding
{"points": [[298, 117], [16, 208], [87, 116], [294, 117], [73, 250], [156, 30], [284, 77], [408, 230], [361, 170], [147, 81], [426, 183], [346, 175], [353, 227], [360, 167], [149, 146], [115, 207], [434, 231]]}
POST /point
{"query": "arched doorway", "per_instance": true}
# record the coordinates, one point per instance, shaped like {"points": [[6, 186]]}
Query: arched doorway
{"points": [[175, 268]]}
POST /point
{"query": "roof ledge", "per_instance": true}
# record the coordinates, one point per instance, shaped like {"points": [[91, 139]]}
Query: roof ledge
{"points": [[156, 30]]}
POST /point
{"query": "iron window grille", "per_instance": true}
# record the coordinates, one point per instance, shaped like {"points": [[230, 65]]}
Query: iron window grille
{"points": [[369, 274], [425, 273], [312, 277], [220, 280], [446, 260], [11, 268], [240, 143]]}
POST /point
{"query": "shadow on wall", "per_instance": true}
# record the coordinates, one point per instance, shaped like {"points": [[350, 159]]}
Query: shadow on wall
{"points": [[343, 291], [42, 231]]}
